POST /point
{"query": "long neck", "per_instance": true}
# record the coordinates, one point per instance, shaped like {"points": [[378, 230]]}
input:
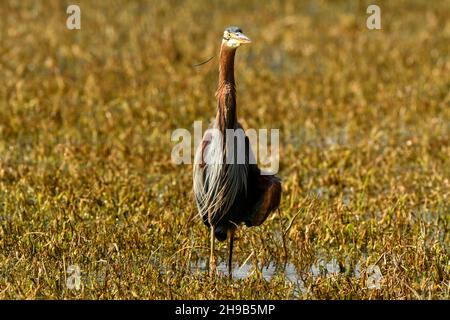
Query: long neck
{"points": [[226, 93]]}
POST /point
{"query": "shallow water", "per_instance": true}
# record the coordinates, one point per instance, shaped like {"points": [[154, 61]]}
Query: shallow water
{"points": [[289, 272], [248, 269], [324, 266]]}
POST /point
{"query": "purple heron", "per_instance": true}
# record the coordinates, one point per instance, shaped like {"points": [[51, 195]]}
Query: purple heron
{"points": [[228, 193]]}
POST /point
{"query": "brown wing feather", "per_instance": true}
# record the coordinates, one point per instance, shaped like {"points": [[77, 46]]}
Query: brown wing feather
{"points": [[269, 187]]}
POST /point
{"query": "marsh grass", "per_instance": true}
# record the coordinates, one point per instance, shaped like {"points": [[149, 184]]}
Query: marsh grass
{"points": [[86, 118]]}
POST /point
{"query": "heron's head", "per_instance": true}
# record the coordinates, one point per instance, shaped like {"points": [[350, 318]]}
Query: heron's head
{"points": [[233, 37]]}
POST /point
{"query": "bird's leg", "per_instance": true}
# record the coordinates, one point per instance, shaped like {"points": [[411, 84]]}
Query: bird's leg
{"points": [[230, 257], [212, 259]]}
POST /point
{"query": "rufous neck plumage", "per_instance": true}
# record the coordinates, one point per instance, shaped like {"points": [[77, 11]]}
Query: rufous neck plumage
{"points": [[226, 92]]}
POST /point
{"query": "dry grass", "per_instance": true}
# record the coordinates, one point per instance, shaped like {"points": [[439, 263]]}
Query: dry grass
{"points": [[85, 124]]}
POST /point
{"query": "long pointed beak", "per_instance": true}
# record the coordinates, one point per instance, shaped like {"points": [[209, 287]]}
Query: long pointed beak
{"points": [[242, 38]]}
